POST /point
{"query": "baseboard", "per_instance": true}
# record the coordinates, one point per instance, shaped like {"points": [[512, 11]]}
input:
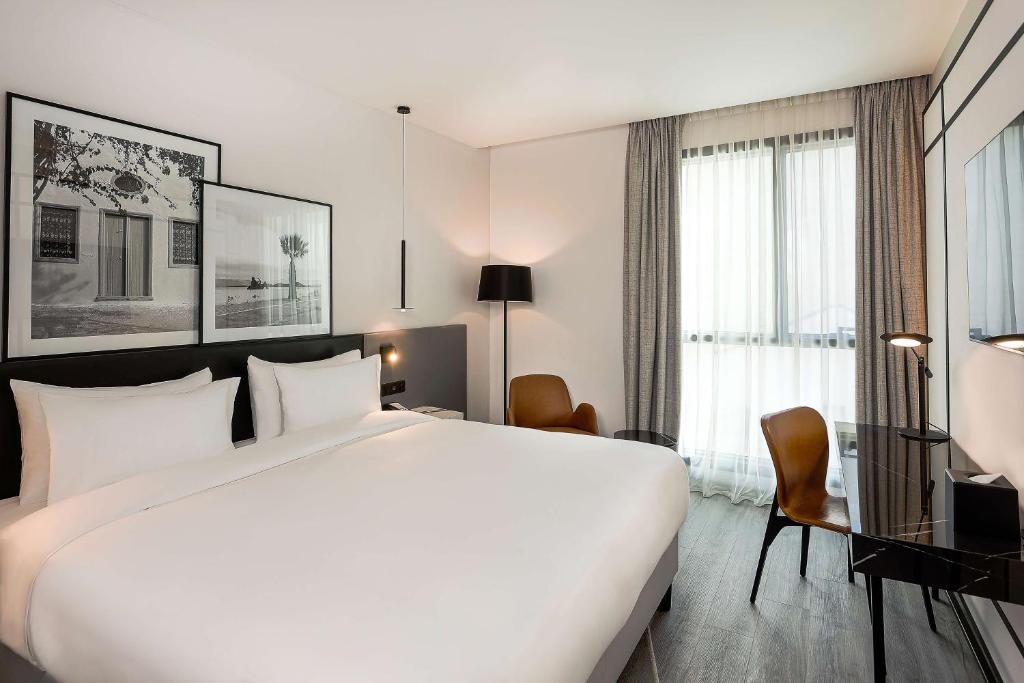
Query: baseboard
{"points": [[974, 639]]}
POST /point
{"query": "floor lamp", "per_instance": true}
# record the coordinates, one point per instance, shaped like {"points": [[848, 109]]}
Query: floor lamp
{"points": [[505, 283]]}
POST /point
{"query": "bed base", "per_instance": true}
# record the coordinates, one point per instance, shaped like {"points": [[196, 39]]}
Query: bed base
{"points": [[656, 596]]}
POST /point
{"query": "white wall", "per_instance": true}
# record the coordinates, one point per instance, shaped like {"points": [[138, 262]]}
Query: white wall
{"points": [[557, 205], [986, 385], [281, 134]]}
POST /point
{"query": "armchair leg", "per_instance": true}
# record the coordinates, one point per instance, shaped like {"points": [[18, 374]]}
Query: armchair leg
{"points": [[805, 542]]}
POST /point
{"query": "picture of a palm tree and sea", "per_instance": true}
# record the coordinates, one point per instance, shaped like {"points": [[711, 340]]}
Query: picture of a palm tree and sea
{"points": [[281, 289]]}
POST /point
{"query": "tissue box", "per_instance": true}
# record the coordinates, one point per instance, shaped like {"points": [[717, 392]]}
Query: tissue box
{"points": [[982, 510]]}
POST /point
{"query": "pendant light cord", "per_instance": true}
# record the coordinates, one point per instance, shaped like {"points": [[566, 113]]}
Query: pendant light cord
{"points": [[403, 176]]}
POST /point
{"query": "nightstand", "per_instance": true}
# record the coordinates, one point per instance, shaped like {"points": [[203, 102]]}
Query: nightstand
{"points": [[440, 413]]}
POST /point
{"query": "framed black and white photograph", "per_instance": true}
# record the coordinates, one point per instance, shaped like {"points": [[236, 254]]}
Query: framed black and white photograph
{"points": [[266, 265], [102, 228]]}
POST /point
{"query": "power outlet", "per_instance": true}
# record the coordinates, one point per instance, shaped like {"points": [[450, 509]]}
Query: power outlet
{"points": [[391, 388]]}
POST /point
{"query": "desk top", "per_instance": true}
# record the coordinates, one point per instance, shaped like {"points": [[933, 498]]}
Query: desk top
{"points": [[897, 496], [896, 490]]}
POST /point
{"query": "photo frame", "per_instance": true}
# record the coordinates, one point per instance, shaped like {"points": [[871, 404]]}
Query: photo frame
{"points": [[89, 211], [265, 265]]}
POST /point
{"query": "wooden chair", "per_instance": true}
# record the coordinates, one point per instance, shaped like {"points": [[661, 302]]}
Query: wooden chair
{"points": [[542, 402], [798, 442]]}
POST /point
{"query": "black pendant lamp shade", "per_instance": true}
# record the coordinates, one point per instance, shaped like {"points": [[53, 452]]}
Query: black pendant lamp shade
{"points": [[403, 111], [505, 283]]}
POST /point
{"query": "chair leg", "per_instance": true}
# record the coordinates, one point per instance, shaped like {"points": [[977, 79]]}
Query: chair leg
{"points": [[805, 542], [928, 608], [771, 530], [849, 565]]}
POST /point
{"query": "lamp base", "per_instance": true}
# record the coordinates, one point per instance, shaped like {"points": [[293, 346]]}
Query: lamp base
{"points": [[930, 436]]}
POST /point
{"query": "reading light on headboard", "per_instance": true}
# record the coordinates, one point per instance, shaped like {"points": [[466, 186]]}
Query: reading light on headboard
{"points": [[388, 353]]}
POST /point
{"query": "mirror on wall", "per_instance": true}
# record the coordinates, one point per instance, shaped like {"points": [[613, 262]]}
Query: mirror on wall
{"points": [[995, 239]]}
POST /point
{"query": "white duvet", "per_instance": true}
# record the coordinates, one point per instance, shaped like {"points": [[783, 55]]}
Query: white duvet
{"points": [[393, 548]]}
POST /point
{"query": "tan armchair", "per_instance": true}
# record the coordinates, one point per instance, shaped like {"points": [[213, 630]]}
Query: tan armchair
{"points": [[542, 402]]}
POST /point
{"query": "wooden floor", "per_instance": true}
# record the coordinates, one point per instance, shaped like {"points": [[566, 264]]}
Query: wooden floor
{"points": [[801, 629]]}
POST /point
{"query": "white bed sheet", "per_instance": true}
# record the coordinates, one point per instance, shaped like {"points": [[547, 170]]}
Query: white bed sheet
{"points": [[393, 548]]}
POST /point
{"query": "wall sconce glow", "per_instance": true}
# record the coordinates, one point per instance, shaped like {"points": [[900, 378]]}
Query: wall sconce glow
{"points": [[388, 353], [906, 339], [1008, 341]]}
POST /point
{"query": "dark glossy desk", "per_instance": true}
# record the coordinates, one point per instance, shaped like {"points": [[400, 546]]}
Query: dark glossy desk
{"points": [[896, 493]]}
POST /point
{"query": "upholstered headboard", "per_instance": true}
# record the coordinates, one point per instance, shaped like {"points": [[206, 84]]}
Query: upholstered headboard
{"points": [[144, 366]]}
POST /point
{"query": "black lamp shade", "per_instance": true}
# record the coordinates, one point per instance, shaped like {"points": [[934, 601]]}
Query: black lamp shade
{"points": [[906, 339], [505, 283]]}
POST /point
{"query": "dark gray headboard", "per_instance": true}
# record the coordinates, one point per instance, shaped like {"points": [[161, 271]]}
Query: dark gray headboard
{"points": [[433, 363], [141, 366], [431, 360]]}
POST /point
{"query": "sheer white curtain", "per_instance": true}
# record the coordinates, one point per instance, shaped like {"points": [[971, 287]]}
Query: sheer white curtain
{"points": [[767, 264]]}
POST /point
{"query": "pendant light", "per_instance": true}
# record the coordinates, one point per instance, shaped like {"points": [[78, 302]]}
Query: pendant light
{"points": [[402, 307]]}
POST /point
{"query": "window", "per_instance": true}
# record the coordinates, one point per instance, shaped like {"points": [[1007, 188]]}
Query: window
{"points": [[125, 257], [785, 203], [767, 292], [56, 234], [183, 244]]}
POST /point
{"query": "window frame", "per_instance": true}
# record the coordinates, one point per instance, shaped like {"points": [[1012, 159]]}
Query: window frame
{"points": [[37, 232], [194, 222], [780, 336]]}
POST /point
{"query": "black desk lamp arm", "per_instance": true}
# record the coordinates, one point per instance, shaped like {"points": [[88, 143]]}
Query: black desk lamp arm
{"points": [[921, 363]]}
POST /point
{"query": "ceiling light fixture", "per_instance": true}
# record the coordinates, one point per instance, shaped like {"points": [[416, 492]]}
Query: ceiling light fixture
{"points": [[402, 307]]}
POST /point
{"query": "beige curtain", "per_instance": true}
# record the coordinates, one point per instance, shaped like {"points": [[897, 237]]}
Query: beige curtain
{"points": [[890, 244], [650, 312]]}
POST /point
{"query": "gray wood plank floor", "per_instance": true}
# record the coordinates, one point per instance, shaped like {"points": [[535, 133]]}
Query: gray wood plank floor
{"points": [[801, 629]]}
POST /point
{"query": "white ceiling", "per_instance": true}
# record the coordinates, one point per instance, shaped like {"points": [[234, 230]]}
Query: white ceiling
{"points": [[490, 72]]}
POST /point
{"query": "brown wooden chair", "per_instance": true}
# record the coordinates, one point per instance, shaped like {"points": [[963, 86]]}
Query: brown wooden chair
{"points": [[542, 402], [798, 442]]}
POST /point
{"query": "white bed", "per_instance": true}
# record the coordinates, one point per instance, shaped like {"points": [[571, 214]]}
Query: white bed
{"points": [[396, 547]]}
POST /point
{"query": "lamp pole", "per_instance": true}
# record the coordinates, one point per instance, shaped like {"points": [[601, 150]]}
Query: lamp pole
{"points": [[504, 373], [921, 411]]}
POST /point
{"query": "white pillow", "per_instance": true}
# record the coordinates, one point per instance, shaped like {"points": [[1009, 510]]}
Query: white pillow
{"points": [[313, 396], [35, 443], [266, 397], [99, 440]]}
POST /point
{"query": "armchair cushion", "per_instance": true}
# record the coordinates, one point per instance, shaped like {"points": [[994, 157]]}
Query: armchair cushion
{"points": [[566, 430], [542, 402]]}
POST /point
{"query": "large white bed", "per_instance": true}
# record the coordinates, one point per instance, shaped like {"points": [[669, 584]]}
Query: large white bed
{"points": [[393, 547]]}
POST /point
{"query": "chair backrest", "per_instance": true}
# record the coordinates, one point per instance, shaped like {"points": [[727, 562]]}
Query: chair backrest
{"points": [[798, 442], [538, 401]]}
